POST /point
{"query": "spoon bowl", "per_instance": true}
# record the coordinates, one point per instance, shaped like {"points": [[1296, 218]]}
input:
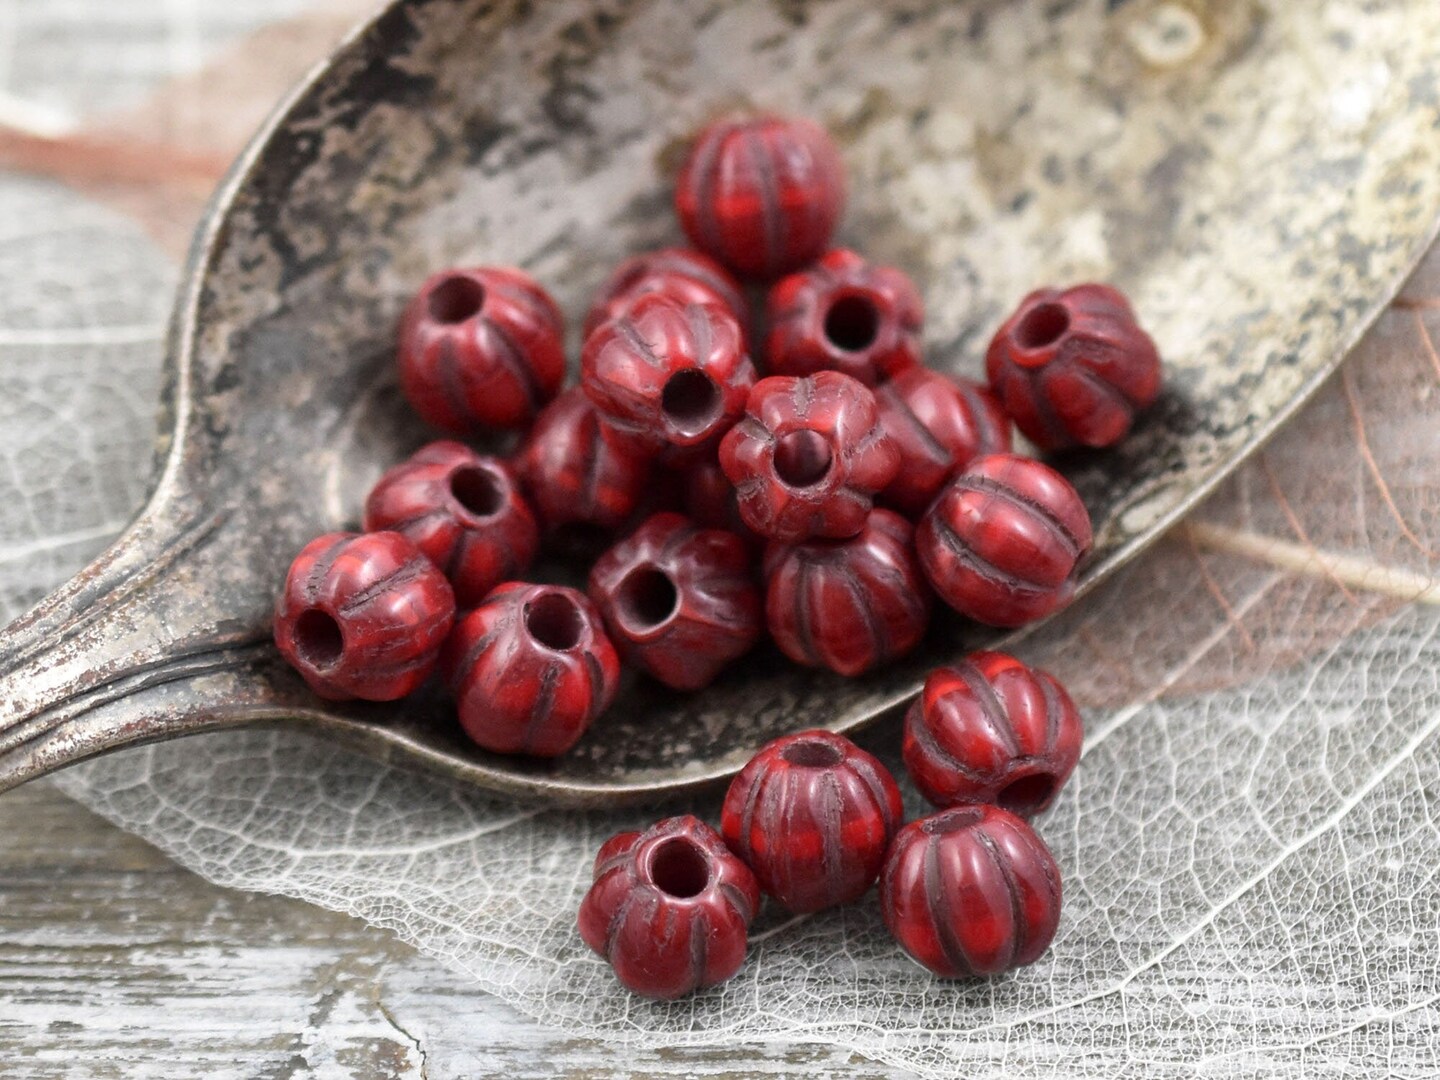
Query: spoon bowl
{"points": [[1259, 178]]}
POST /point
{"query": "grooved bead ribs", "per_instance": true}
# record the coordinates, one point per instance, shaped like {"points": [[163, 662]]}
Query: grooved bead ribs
{"points": [[971, 891], [576, 472], [481, 347], [812, 814], [848, 605], [363, 616], [465, 513], [1002, 541], [530, 669], [940, 425], [848, 315], [670, 908], [808, 457], [992, 730], [668, 374], [679, 601], [762, 195], [1073, 367]]}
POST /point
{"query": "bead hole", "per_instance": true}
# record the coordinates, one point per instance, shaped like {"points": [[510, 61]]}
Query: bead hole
{"points": [[691, 401], [952, 821], [478, 490], [802, 458], [318, 639], [852, 323], [679, 868], [456, 299], [1042, 325], [813, 754], [1026, 795], [647, 598], [554, 621]]}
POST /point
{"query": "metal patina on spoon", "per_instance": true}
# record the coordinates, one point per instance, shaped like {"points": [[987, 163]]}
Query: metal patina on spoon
{"points": [[992, 148]]}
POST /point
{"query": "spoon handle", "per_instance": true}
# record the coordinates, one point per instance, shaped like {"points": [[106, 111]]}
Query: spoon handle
{"points": [[130, 649]]}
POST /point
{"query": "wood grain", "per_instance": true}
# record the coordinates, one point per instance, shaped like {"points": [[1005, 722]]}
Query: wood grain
{"points": [[115, 962]]}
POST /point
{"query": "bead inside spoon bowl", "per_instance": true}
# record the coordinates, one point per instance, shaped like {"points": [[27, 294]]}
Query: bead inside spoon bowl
{"points": [[1258, 222]]}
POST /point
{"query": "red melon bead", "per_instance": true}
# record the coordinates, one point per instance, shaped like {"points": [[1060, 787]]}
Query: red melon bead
{"points": [[971, 891], [761, 194], [481, 347], [670, 908], [991, 730], [848, 605], [665, 373], [710, 500], [679, 601], [363, 616], [845, 314], [940, 425], [576, 471], [690, 276], [1073, 368], [808, 457], [812, 814], [465, 513], [530, 669], [1002, 541]]}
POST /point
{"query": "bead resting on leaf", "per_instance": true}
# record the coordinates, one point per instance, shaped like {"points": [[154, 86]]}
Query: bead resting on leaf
{"points": [[812, 814], [971, 891], [670, 908]]}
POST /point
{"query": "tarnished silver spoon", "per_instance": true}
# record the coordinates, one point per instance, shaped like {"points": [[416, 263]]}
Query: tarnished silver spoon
{"points": [[1258, 177]]}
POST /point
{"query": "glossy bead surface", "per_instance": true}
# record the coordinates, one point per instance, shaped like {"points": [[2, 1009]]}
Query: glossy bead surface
{"points": [[363, 616], [576, 472], [670, 908], [530, 669], [668, 374], [848, 605], [991, 730], [1002, 541], [971, 891], [845, 314], [940, 425], [679, 601], [761, 194], [465, 513], [808, 457], [812, 814], [481, 347], [687, 275], [1073, 367]]}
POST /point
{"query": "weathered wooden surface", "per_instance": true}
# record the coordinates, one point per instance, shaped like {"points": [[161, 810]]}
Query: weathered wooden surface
{"points": [[114, 962]]}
